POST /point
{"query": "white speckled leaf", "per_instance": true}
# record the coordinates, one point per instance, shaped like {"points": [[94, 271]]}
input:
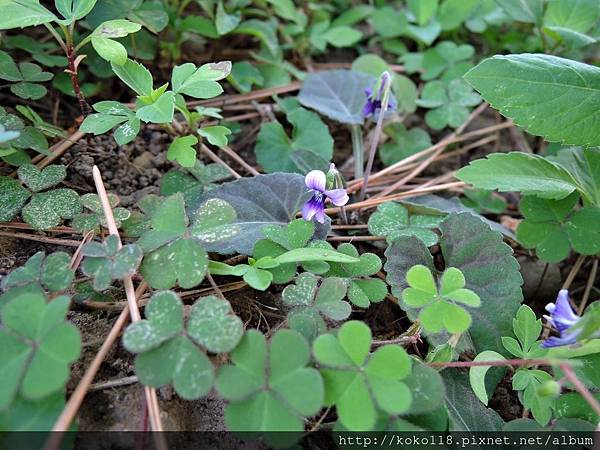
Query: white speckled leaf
{"points": [[46, 209], [12, 198], [214, 222], [38, 180], [213, 325]]}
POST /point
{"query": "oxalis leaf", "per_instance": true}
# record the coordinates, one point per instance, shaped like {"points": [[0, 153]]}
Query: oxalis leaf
{"points": [[260, 201], [39, 180], [12, 198], [530, 88], [270, 388], [359, 383], [52, 272], [46, 209], [36, 352], [311, 299], [166, 354], [489, 268]]}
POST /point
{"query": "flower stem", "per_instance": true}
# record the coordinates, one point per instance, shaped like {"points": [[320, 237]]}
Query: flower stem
{"points": [[357, 150], [386, 83]]}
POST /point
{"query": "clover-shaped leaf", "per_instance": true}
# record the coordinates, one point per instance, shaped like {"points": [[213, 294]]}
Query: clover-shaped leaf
{"points": [[449, 103], [53, 272], [91, 221], [552, 227], [404, 143], [106, 262], [270, 388], [216, 135], [359, 383], [183, 261], [200, 82], [213, 325], [165, 354], [39, 180], [25, 76], [36, 347], [446, 61], [439, 309], [311, 299], [12, 198], [393, 221], [46, 209], [194, 180], [182, 150], [362, 289]]}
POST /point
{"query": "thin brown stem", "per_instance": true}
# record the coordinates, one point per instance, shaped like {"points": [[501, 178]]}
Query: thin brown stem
{"points": [[588, 287]]}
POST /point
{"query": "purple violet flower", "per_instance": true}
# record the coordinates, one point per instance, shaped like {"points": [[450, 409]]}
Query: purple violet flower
{"points": [[316, 181], [373, 104], [563, 319]]}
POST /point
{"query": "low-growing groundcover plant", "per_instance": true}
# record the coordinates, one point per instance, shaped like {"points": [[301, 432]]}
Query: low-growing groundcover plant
{"points": [[322, 249]]}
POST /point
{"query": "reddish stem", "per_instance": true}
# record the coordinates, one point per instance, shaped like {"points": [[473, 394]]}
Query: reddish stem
{"points": [[72, 70]]}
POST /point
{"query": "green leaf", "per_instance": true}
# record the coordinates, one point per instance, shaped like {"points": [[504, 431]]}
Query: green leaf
{"points": [[274, 147], [134, 75], [343, 36], [214, 222], [258, 202], [164, 320], [423, 9], [527, 328], [314, 254], [358, 383], [337, 94], [514, 84], [521, 172], [530, 11], [23, 13], [392, 221], [39, 180], [449, 103], [310, 299], [182, 150], [109, 50], [182, 262], [465, 411], [477, 374], [73, 10], [200, 82], [244, 75], [12, 198], [263, 31], [36, 352], [405, 143], [579, 15], [53, 272], [226, 22], [213, 325], [583, 165], [389, 22], [489, 269], [481, 200], [270, 390], [159, 111], [216, 135], [452, 13], [46, 209]]}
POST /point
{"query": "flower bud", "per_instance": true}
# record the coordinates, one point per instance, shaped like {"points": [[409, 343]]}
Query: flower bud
{"points": [[334, 178]]}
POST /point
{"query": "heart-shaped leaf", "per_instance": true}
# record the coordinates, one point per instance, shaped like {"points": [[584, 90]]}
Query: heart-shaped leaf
{"points": [[159, 111], [393, 221], [183, 261], [213, 325], [270, 388], [337, 94], [39, 180], [260, 201], [309, 298], [36, 352], [359, 383], [46, 209], [12, 198], [164, 319], [52, 272], [216, 135]]}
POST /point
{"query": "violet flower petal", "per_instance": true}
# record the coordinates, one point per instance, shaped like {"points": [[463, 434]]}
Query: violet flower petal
{"points": [[312, 208], [316, 180], [338, 197]]}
